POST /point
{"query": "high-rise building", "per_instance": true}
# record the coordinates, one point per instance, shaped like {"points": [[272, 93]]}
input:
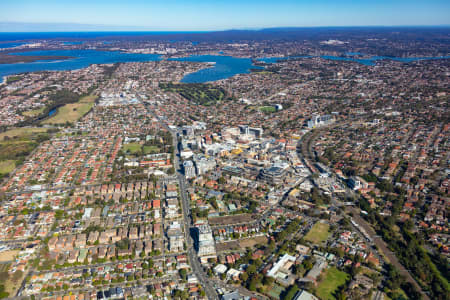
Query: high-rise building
{"points": [[245, 129], [205, 244], [189, 169], [318, 120], [204, 164]]}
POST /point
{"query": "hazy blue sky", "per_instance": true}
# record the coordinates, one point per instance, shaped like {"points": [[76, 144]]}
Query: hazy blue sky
{"points": [[224, 14]]}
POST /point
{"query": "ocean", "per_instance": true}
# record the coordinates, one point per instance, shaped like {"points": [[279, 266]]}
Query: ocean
{"points": [[224, 66]]}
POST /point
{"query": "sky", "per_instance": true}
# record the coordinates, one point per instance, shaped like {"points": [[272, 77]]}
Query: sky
{"points": [[207, 15]]}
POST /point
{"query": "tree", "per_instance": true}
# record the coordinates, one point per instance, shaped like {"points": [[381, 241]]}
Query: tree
{"points": [[253, 283], [183, 274], [340, 295], [299, 270], [268, 281], [291, 292], [272, 245], [3, 293], [251, 269]]}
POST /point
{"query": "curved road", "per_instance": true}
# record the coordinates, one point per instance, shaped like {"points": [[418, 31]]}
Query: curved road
{"points": [[305, 147]]}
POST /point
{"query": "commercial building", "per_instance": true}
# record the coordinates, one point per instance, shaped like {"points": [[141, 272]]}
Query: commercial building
{"points": [[203, 164], [274, 174], [256, 132], [205, 244], [357, 183], [189, 169], [318, 120]]}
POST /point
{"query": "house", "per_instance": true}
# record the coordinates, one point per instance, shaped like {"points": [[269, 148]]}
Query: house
{"points": [[133, 233], [73, 255], [233, 274], [102, 250], [147, 246], [124, 252], [82, 255], [231, 296], [156, 204], [157, 229], [104, 238], [80, 240], [219, 269], [139, 247], [111, 251], [304, 295], [93, 237], [361, 281], [157, 245], [303, 250], [52, 243]]}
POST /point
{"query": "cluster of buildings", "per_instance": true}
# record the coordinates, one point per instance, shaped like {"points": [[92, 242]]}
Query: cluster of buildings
{"points": [[318, 121], [102, 198], [408, 156], [25, 97], [69, 160]]}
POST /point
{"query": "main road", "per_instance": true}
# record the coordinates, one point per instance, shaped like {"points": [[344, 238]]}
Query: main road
{"points": [[187, 220]]}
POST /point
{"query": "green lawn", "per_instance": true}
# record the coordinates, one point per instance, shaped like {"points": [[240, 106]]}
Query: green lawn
{"points": [[34, 112], [398, 294], [72, 112], [276, 291], [132, 148], [332, 279], [151, 149], [7, 166], [17, 143], [318, 233], [12, 79], [267, 109], [21, 133]]}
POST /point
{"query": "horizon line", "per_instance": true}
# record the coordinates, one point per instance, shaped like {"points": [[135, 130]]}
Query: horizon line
{"points": [[134, 29]]}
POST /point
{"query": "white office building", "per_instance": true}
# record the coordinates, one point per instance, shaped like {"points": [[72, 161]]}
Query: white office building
{"points": [[205, 244], [189, 169]]}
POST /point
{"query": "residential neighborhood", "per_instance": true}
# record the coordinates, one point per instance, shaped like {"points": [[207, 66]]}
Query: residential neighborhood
{"points": [[303, 178]]}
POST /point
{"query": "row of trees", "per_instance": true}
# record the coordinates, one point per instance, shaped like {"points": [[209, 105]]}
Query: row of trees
{"points": [[408, 247]]}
